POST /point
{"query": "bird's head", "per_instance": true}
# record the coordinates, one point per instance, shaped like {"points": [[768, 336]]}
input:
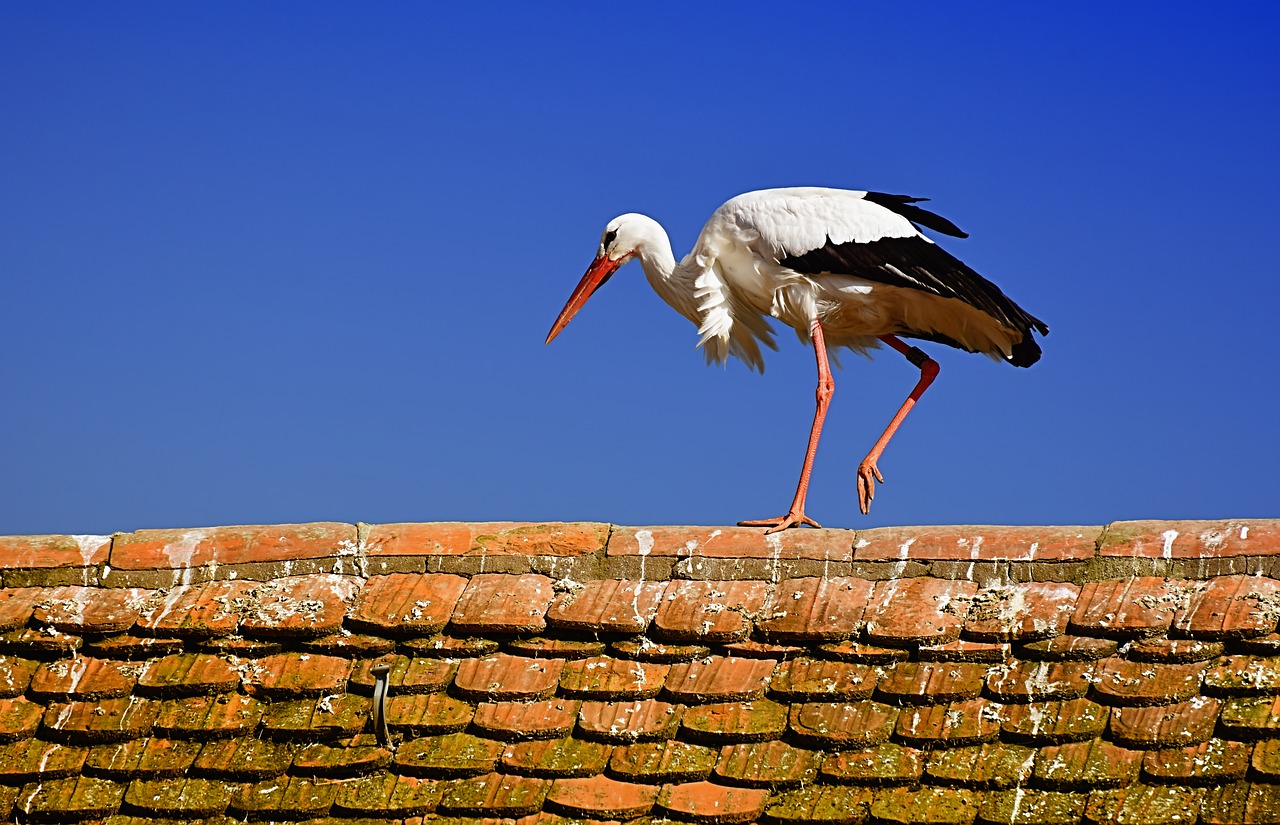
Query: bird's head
{"points": [[624, 238]]}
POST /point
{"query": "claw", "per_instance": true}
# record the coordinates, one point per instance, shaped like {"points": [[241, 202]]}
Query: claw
{"points": [[792, 519], [868, 475]]}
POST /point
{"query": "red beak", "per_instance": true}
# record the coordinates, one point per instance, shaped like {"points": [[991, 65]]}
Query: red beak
{"points": [[600, 271]]}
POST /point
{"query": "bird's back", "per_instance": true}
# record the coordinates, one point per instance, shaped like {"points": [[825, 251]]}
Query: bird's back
{"points": [[856, 261]]}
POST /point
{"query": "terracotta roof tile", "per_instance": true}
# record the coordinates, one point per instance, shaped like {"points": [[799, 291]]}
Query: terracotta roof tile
{"points": [[451, 755], [955, 725], [1214, 762], [495, 795], [886, 764], [603, 677], [407, 675], [903, 612], [757, 721], [639, 721], [1144, 803], [24, 552], [1231, 607], [330, 717], [1022, 612], [498, 603], [75, 609], [712, 803], [710, 611], [817, 698], [357, 756], [976, 543], [195, 611], [916, 683], [843, 725], [34, 760], [83, 678], [15, 675], [942, 806], [190, 798], [187, 549], [242, 759], [815, 609], [299, 606], [1030, 681], [806, 679], [1087, 765], [80, 797], [608, 606], [993, 765], [502, 676], [772, 764], [1192, 539], [547, 647], [208, 717], [428, 715], [820, 805], [406, 603], [658, 762], [386, 795], [291, 798], [600, 797], [151, 758], [1054, 723], [719, 679], [1141, 606], [546, 719], [188, 674], [556, 758], [106, 720]]}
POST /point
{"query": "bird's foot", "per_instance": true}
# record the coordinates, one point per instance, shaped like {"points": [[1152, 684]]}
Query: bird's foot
{"points": [[795, 518], [868, 475]]}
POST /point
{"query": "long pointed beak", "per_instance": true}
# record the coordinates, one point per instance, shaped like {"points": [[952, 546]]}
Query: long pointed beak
{"points": [[600, 271]]}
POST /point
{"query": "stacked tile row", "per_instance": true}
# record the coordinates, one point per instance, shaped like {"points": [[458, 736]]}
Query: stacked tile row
{"points": [[518, 696]]}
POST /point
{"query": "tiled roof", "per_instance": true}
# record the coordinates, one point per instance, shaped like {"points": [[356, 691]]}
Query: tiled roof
{"points": [[590, 672]]}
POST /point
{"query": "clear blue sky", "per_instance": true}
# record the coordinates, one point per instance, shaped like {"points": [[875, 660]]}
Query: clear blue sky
{"points": [[295, 261]]}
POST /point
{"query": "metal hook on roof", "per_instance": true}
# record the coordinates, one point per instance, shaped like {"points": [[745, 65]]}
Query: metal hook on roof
{"points": [[381, 685]]}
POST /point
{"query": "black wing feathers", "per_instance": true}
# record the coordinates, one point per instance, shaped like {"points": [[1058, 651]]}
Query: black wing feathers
{"points": [[916, 263], [901, 204]]}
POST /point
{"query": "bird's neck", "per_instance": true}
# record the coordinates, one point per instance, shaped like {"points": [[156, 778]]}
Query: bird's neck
{"points": [[672, 281]]}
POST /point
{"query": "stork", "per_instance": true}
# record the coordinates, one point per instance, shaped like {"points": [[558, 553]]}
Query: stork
{"points": [[843, 268]]}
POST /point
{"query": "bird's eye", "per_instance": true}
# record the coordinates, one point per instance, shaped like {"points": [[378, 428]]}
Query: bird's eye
{"points": [[609, 236]]}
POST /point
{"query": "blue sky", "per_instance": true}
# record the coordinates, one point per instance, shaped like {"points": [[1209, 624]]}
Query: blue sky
{"points": [[292, 262]]}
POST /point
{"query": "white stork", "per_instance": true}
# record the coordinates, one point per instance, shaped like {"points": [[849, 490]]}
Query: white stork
{"points": [[843, 269]]}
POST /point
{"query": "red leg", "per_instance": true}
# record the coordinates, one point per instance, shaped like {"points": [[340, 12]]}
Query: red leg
{"points": [[826, 388], [868, 472]]}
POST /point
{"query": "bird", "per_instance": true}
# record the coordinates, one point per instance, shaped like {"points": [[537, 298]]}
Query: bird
{"points": [[843, 268]]}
